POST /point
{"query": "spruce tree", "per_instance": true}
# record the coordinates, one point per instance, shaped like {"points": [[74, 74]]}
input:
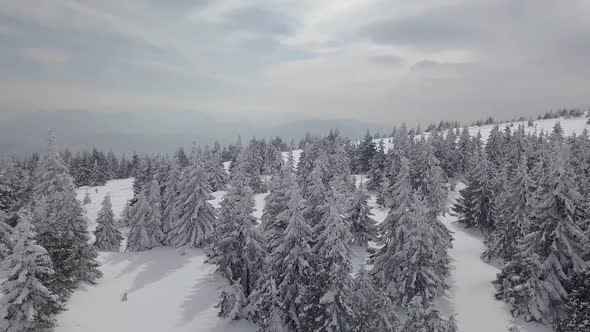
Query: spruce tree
{"points": [[376, 170], [146, 220], [27, 304], [373, 310], [328, 302], [60, 225], [409, 263], [265, 306], [238, 250], [216, 174], [169, 197], [366, 151], [195, 221], [434, 183], [108, 236], [576, 309], [5, 236], [291, 261], [358, 216], [277, 201], [422, 318]]}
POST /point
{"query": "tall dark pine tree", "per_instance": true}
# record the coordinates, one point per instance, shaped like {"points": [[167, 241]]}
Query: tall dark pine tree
{"points": [[61, 227], [366, 151], [576, 309]]}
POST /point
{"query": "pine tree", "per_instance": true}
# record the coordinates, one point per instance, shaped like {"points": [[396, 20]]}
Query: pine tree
{"points": [[27, 303], [238, 250], [409, 263], [169, 197], [373, 311], [423, 318], [576, 316], [61, 227], [434, 183], [463, 153], [5, 236], [87, 199], [513, 217], [536, 280], [216, 174], [291, 261], [108, 236], [194, 225], [358, 216], [376, 171], [277, 201], [143, 175], [328, 302], [313, 209], [475, 206], [265, 307], [146, 220], [366, 151], [98, 177]]}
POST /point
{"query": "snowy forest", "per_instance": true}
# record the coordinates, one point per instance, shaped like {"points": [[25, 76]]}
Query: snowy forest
{"points": [[296, 267]]}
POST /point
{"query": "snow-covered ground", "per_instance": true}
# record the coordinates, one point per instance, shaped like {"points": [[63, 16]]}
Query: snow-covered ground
{"points": [[570, 126], [166, 291]]}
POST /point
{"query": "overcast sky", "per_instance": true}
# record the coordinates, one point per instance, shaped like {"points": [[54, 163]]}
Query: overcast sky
{"points": [[283, 60]]}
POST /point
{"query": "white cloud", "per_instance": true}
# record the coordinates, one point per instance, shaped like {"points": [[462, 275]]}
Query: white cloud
{"points": [[50, 58]]}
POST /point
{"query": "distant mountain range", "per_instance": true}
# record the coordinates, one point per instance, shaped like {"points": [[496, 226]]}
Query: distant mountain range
{"points": [[150, 131]]}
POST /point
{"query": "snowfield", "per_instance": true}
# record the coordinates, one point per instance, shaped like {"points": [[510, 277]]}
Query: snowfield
{"points": [[170, 291]]}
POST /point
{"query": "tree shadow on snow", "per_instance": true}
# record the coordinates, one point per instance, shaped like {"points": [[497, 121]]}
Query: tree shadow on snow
{"points": [[204, 295], [155, 264]]}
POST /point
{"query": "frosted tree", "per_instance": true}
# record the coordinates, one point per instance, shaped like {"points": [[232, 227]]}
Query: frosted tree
{"points": [[239, 250], [98, 177], [313, 210], [195, 222], [265, 307], [408, 264], [366, 150], [373, 310], [475, 206], [423, 318], [216, 174], [142, 176], [434, 183], [60, 225], [291, 261], [146, 220], [273, 159], [5, 236], [232, 300], [401, 199], [169, 197], [108, 236], [536, 280], [377, 168], [576, 309], [27, 304], [306, 164], [358, 216], [328, 302], [514, 217]]}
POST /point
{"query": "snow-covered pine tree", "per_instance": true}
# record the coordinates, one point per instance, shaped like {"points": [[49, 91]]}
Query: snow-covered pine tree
{"points": [[328, 301], [305, 166], [315, 201], [98, 177], [60, 225], [409, 263], [273, 160], [5, 236], [434, 183], [422, 318], [463, 152], [358, 217], [373, 310], [475, 206], [195, 221], [536, 281], [513, 217], [277, 201], [401, 199], [376, 171], [576, 309], [7, 192], [108, 236], [291, 261], [143, 175], [216, 174], [169, 197], [265, 306], [27, 304], [366, 151], [239, 249], [146, 220]]}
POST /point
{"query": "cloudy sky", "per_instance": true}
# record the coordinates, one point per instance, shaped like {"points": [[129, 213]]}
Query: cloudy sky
{"points": [[279, 60]]}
